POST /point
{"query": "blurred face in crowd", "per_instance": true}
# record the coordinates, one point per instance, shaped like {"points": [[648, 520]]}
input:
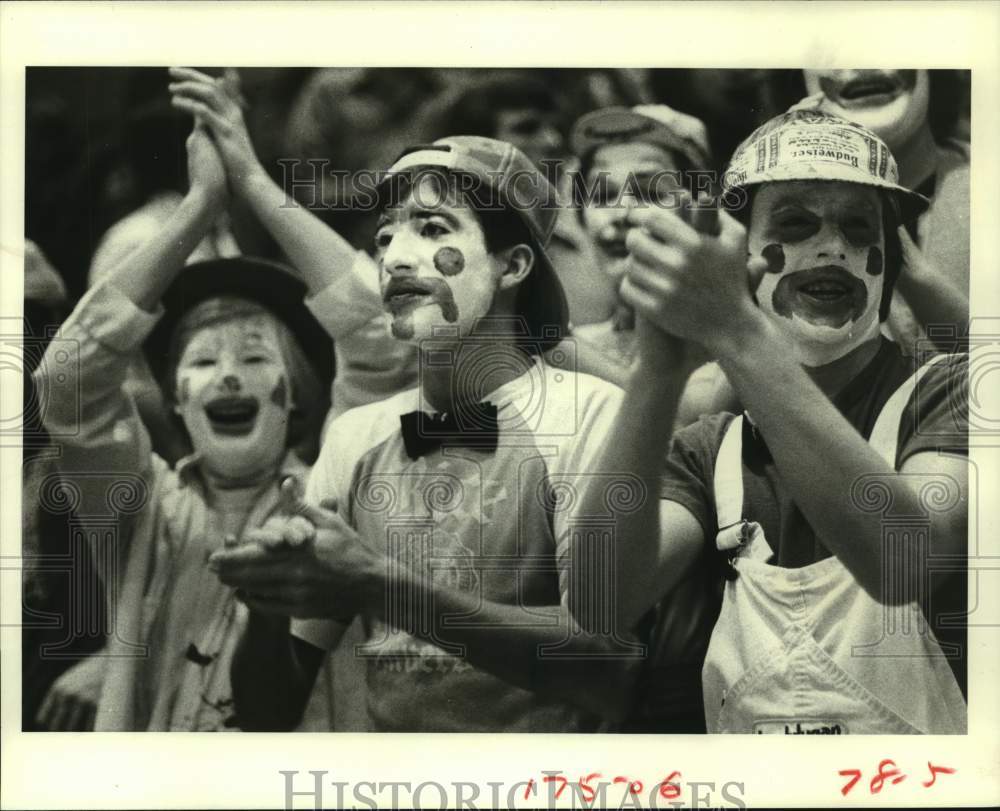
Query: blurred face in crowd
{"points": [[825, 249], [534, 132], [233, 393], [891, 103], [622, 177], [724, 92], [437, 276]]}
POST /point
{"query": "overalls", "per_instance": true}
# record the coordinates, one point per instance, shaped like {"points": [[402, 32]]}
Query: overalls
{"points": [[805, 650]]}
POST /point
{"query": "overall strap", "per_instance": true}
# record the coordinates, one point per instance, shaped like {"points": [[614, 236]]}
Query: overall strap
{"points": [[728, 480]]}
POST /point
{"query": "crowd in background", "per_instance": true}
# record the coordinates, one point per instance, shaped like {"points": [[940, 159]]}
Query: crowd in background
{"points": [[106, 165]]}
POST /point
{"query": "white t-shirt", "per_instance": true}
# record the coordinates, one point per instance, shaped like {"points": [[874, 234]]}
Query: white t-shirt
{"points": [[482, 521]]}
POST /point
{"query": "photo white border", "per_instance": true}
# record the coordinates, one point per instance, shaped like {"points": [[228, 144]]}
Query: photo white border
{"points": [[45, 770]]}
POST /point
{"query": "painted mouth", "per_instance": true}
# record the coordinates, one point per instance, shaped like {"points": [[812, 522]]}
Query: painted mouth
{"points": [[403, 293], [868, 89], [232, 416], [829, 295]]}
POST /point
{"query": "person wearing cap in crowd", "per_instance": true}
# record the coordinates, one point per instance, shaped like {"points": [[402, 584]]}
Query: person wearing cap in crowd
{"points": [[344, 295], [228, 340], [790, 498], [916, 112], [342, 281], [525, 111], [633, 158], [448, 498]]}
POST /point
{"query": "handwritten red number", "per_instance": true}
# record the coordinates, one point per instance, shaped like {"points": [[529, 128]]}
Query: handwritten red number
{"points": [[634, 786], [669, 790], [588, 789], [563, 782], [935, 771], [527, 791], [879, 779], [856, 775]]}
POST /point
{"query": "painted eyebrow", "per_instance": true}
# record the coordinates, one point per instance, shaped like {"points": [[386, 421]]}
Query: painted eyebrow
{"points": [[427, 213], [420, 214], [790, 201]]}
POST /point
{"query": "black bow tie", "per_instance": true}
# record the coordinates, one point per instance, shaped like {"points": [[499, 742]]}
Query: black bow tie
{"points": [[474, 426]]}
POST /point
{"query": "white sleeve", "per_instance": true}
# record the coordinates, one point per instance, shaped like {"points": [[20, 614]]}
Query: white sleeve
{"points": [[346, 305], [574, 467]]}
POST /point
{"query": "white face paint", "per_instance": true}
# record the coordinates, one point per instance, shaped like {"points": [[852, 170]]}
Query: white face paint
{"points": [[891, 103], [436, 272], [825, 248], [233, 395]]}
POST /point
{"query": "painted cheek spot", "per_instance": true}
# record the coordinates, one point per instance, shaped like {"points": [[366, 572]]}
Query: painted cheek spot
{"points": [[774, 255], [449, 261], [185, 391], [875, 262], [279, 395]]}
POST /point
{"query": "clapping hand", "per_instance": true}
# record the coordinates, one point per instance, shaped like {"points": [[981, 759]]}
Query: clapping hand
{"points": [[217, 104], [304, 562]]}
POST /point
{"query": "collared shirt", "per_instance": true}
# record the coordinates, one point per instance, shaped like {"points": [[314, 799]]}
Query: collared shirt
{"points": [[151, 527]]}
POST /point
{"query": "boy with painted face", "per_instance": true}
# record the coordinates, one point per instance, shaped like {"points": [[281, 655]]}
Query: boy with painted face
{"points": [[790, 499], [226, 339], [447, 496], [915, 112], [345, 297], [525, 111], [343, 281], [825, 274]]}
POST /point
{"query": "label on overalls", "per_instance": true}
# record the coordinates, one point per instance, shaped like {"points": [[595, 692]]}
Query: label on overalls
{"points": [[791, 726]]}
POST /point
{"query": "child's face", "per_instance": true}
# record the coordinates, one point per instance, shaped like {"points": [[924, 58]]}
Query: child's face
{"points": [[233, 395], [623, 177], [825, 249], [436, 275], [891, 103]]}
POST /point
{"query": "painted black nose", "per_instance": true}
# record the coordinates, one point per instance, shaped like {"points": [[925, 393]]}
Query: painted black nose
{"points": [[232, 383]]}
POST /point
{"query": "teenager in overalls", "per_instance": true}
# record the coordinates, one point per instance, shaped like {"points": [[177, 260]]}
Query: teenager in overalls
{"points": [[807, 500]]}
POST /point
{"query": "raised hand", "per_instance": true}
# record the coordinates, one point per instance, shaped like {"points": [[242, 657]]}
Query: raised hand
{"points": [[218, 105], [689, 276], [206, 174]]}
